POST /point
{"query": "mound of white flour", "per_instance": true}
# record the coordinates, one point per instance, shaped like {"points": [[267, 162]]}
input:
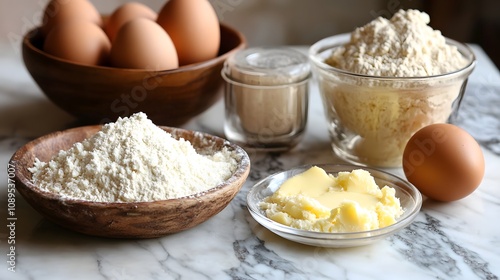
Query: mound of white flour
{"points": [[132, 160], [403, 46]]}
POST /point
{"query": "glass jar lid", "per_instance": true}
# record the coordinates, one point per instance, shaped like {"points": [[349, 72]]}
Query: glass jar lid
{"points": [[267, 66]]}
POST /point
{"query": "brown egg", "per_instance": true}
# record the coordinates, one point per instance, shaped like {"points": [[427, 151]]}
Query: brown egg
{"points": [[143, 44], [64, 11], [80, 42], [124, 14], [194, 28], [444, 162]]}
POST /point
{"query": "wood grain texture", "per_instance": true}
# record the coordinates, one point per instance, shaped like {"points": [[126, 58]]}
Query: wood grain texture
{"points": [[126, 220], [99, 94]]}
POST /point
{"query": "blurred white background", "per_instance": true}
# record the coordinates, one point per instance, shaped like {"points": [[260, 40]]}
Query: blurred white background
{"points": [[264, 22], [298, 22]]}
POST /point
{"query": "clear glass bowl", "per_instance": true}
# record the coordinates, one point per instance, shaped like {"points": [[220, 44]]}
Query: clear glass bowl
{"points": [[371, 118], [409, 196]]}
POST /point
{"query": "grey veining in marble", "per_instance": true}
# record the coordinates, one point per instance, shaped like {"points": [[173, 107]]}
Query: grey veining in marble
{"points": [[430, 247], [480, 114]]}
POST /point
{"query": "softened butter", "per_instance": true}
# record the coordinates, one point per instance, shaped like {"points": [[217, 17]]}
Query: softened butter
{"points": [[317, 201]]}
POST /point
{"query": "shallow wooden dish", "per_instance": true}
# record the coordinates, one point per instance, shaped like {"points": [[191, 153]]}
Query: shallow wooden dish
{"points": [[126, 220], [99, 94]]}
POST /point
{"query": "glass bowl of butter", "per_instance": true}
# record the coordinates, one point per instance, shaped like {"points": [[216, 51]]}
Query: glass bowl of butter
{"points": [[334, 205]]}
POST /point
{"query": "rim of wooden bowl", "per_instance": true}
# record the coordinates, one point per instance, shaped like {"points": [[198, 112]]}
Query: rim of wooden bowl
{"points": [[35, 33]]}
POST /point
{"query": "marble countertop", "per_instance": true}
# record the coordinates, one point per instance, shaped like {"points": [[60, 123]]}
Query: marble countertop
{"points": [[458, 240]]}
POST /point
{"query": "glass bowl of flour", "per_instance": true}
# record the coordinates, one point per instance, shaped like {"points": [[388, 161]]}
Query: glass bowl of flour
{"points": [[386, 80]]}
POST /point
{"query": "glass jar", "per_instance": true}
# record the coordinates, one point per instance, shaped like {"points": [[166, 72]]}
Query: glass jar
{"points": [[266, 98]]}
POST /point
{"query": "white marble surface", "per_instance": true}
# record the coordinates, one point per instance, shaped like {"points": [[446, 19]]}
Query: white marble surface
{"points": [[458, 240]]}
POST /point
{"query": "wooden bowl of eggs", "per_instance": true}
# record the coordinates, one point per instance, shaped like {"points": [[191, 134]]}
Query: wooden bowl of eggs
{"points": [[98, 77], [144, 219]]}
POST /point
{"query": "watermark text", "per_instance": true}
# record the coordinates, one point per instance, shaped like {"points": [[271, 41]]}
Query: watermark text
{"points": [[11, 218]]}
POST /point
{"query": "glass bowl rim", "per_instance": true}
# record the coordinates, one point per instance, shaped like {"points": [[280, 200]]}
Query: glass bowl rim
{"points": [[326, 44]]}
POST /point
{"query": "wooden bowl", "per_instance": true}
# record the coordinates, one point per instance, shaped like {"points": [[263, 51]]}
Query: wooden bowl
{"points": [[100, 94], [126, 220]]}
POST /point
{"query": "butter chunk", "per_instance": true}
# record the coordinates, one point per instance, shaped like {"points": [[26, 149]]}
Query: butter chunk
{"points": [[317, 201]]}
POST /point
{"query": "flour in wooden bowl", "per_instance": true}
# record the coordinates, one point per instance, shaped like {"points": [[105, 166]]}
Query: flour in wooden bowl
{"points": [[132, 160]]}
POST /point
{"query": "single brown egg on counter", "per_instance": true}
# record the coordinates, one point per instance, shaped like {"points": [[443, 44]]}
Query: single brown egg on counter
{"points": [[126, 13], [444, 162], [194, 28], [79, 42], [143, 44], [59, 12]]}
